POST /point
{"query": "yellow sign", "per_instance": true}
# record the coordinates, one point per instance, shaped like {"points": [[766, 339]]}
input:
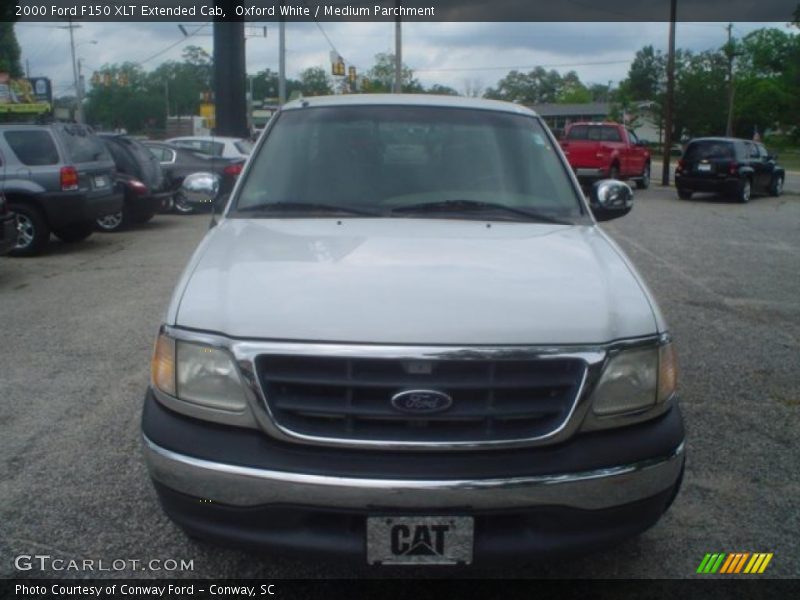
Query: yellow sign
{"points": [[207, 111]]}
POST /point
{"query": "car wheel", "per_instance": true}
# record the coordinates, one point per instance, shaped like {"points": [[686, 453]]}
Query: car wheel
{"points": [[33, 233], [685, 194], [776, 188], [644, 181], [75, 233], [113, 222], [745, 190], [613, 172], [181, 206]]}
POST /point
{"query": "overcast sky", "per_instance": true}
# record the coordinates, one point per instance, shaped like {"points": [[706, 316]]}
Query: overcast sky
{"points": [[454, 54]]}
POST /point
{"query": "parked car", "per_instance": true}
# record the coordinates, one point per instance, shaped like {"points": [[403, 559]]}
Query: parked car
{"points": [[8, 227], [224, 147], [177, 163], [140, 178], [57, 178], [406, 340], [732, 167], [606, 150]]}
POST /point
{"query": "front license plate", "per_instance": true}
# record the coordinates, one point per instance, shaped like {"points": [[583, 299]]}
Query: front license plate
{"points": [[100, 182], [704, 167], [419, 540]]}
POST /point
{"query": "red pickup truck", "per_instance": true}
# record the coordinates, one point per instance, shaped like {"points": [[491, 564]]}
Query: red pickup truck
{"points": [[606, 151]]}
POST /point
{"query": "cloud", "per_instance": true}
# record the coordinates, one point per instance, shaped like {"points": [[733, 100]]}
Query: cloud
{"points": [[446, 53]]}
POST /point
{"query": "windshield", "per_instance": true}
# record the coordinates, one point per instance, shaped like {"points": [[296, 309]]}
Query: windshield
{"points": [[382, 158], [709, 150]]}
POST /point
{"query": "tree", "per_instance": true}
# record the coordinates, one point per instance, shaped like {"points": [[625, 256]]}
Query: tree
{"points": [[767, 81], [9, 48], [572, 91], [539, 86], [314, 81], [123, 96], [380, 78], [441, 90], [265, 86]]}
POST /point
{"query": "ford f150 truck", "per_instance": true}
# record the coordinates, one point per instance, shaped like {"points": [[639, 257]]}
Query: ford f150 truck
{"points": [[407, 341], [606, 150]]}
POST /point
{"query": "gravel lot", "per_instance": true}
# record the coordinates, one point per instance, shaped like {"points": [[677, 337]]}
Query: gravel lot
{"points": [[78, 324]]}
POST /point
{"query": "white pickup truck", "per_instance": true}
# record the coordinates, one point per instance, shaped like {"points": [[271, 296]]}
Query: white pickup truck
{"points": [[406, 340]]}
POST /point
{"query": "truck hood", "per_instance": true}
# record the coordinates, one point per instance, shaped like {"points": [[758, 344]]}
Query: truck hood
{"points": [[412, 281]]}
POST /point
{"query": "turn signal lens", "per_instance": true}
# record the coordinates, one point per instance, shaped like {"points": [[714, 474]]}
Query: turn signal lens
{"points": [[162, 367], [667, 372]]}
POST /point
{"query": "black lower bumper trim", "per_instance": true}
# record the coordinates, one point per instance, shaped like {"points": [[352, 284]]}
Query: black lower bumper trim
{"points": [[517, 535]]}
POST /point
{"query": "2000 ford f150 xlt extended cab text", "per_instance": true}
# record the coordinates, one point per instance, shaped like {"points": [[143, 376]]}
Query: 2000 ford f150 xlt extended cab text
{"points": [[406, 340]]}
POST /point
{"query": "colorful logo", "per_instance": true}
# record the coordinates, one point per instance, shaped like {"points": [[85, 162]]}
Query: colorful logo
{"points": [[735, 563]]}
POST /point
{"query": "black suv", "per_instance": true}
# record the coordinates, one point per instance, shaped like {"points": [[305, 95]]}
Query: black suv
{"points": [[57, 178], [732, 167], [140, 178]]}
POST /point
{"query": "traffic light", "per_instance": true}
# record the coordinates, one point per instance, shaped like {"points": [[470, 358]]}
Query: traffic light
{"points": [[351, 74], [337, 68]]}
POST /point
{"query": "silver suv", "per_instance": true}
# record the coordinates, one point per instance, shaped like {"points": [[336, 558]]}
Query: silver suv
{"points": [[408, 341], [57, 178]]}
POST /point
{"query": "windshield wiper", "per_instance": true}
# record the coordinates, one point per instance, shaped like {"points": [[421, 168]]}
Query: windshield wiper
{"points": [[476, 205], [305, 206]]}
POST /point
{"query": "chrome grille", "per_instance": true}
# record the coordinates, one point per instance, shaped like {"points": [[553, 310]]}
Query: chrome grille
{"points": [[349, 399]]}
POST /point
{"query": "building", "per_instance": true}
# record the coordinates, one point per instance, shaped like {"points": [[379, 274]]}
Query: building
{"points": [[558, 116]]}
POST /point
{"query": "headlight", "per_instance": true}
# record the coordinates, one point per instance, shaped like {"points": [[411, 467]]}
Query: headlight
{"points": [[636, 380], [197, 373]]}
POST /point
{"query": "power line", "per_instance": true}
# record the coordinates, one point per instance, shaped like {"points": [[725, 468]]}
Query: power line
{"points": [[171, 46], [548, 66]]}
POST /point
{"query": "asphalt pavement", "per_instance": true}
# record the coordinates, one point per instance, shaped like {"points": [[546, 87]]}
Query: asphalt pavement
{"points": [[78, 325]]}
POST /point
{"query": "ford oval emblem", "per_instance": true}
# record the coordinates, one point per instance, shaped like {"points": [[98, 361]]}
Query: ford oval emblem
{"points": [[421, 401]]}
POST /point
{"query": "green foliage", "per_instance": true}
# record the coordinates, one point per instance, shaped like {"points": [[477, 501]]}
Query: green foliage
{"points": [[380, 78], [542, 86], [314, 81], [441, 90], [9, 50]]}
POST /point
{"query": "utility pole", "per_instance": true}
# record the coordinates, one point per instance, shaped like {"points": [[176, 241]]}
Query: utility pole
{"points": [[230, 102], [27, 68], [729, 52], [673, 9], [282, 62], [166, 97], [78, 94], [398, 53]]}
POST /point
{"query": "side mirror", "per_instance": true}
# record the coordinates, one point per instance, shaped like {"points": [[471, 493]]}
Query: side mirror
{"points": [[610, 199], [200, 188]]}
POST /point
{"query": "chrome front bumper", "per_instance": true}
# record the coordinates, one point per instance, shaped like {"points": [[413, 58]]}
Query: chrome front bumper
{"points": [[247, 486]]}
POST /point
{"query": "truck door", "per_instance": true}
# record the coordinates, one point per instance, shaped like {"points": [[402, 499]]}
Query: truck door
{"points": [[636, 152]]}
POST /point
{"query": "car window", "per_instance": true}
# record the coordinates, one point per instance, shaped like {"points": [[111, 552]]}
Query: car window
{"points": [[244, 146], [762, 151], [82, 145], [34, 147], [633, 138], [578, 132], [709, 149], [383, 157], [124, 162], [750, 150], [595, 133], [161, 153]]}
